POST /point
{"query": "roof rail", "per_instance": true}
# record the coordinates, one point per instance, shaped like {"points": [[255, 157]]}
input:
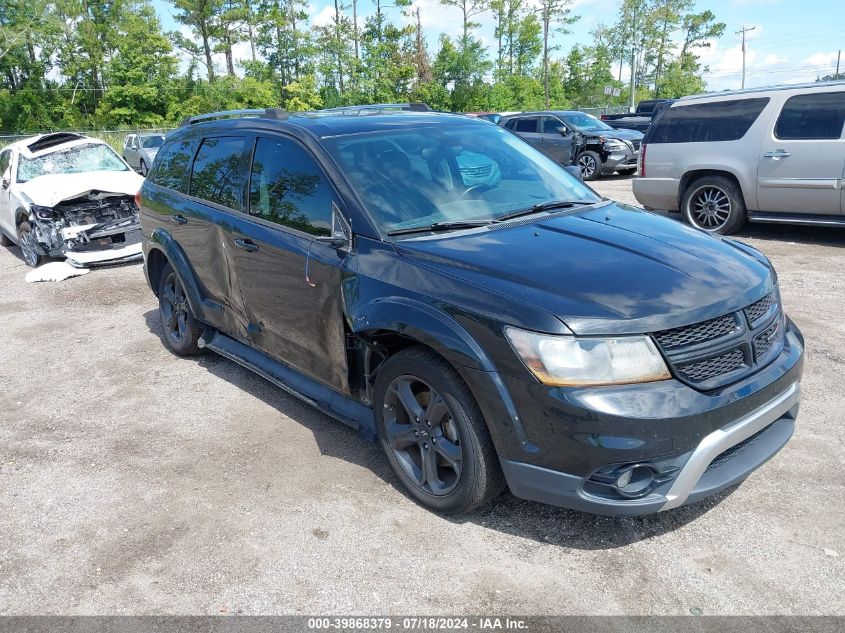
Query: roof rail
{"points": [[374, 107], [746, 91], [267, 113]]}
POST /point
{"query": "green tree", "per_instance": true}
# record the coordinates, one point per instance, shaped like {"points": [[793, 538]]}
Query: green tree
{"points": [[555, 15], [200, 16], [140, 73]]}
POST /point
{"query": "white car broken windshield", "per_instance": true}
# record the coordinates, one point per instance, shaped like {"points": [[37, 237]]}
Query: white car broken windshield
{"points": [[75, 160]]}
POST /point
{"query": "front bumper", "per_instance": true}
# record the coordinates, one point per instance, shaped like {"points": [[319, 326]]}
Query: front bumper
{"points": [[741, 447], [561, 442], [619, 160]]}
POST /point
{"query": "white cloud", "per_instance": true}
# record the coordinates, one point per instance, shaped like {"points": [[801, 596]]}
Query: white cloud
{"points": [[323, 17]]}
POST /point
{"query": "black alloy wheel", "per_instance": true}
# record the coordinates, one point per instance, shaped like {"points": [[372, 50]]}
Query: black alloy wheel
{"points": [[181, 331], [423, 435], [174, 309], [433, 433]]}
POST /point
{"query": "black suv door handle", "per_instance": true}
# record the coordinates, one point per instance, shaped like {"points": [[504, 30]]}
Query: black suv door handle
{"points": [[179, 219], [247, 245]]}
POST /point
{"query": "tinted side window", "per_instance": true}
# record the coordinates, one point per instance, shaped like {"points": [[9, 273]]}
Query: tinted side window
{"points": [[550, 125], [4, 161], [706, 122], [217, 175], [172, 162], [288, 187], [814, 116], [526, 125]]}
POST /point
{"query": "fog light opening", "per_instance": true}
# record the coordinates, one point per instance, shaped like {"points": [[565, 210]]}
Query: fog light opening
{"points": [[634, 480]]}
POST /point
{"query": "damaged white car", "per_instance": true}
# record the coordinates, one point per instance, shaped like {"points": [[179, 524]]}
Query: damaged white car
{"points": [[68, 195]]}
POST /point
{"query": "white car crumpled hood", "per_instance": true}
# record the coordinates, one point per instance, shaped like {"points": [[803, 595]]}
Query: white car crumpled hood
{"points": [[51, 189]]}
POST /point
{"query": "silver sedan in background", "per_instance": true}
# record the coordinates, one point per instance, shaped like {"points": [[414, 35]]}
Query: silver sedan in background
{"points": [[139, 150]]}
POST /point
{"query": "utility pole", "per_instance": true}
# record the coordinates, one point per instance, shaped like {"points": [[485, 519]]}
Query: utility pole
{"points": [[632, 97], [838, 59], [743, 31]]}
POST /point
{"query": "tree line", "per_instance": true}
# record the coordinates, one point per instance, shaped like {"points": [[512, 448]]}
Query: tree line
{"points": [[110, 63]]}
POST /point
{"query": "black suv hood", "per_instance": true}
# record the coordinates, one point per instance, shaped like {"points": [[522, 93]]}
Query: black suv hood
{"points": [[608, 269]]}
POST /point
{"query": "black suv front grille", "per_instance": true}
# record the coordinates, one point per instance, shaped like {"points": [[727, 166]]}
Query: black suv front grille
{"points": [[716, 352], [698, 333], [759, 309], [708, 368]]}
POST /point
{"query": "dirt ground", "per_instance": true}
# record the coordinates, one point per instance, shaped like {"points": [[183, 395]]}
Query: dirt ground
{"points": [[136, 482]]}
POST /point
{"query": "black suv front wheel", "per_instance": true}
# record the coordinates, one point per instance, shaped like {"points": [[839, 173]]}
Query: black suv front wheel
{"points": [[433, 433], [180, 329]]}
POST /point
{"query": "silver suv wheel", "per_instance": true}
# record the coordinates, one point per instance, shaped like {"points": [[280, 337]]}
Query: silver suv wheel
{"points": [[709, 208]]}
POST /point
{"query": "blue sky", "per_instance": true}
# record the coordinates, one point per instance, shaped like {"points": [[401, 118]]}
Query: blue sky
{"points": [[793, 40]]}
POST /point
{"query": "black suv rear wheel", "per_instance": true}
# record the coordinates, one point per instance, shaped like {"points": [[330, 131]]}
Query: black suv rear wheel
{"points": [[181, 331], [433, 433]]}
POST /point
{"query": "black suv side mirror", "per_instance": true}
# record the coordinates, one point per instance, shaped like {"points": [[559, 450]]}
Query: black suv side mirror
{"points": [[341, 235], [563, 130]]}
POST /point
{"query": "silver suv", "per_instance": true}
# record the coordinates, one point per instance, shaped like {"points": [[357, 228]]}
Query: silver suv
{"points": [[765, 155]]}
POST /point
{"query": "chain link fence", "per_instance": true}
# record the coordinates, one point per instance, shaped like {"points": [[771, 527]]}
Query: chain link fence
{"points": [[115, 138]]}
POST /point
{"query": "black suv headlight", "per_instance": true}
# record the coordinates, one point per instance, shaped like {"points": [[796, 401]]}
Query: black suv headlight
{"points": [[574, 361]]}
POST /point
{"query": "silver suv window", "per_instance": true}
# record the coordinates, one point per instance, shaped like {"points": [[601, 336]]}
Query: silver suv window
{"points": [[706, 122], [816, 116]]}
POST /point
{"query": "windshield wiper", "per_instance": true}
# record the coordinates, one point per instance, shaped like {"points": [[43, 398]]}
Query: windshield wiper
{"points": [[440, 226], [545, 206]]}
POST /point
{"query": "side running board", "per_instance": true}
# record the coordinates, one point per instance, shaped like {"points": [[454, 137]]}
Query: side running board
{"points": [[338, 406]]}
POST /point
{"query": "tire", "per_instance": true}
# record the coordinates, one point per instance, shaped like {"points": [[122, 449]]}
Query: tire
{"points": [[143, 168], [180, 330], [590, 165], [29, 245], [448, 439], [714, 204], [4, 240]]}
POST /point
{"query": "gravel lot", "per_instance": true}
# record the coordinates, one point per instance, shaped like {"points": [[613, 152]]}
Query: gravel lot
{"points": [[133, 481]]}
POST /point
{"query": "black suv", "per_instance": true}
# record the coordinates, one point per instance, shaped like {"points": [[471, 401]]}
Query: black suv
{"points": [[510, 327]]}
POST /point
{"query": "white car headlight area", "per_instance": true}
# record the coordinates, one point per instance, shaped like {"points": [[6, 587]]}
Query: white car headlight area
{"points": [[567, 361]]}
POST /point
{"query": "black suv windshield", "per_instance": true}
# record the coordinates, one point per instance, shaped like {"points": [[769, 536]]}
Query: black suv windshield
{"points": [[451, 174], [586, 123]]}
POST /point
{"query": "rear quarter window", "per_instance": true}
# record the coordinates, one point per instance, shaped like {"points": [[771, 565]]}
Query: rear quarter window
{"points": [[172, 163], [218, 174], [819, 116], [706, 122]]}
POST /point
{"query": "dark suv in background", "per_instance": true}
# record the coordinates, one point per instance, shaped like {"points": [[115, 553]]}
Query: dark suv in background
{"points": [[517, 330], [572, 137]]}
